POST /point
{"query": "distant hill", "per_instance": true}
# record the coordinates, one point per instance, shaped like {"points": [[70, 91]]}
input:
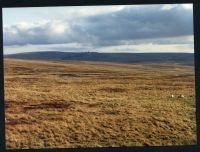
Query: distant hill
{"points": [[185, 58]]}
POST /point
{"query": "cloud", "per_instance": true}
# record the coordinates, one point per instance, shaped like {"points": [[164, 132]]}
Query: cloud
{"points": [[122, 26], [68, 47], [171, 6], [149, 47], [141, 23]]}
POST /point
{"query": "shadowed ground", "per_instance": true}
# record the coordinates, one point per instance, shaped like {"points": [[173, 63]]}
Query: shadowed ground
{"points": [[97, 104]]}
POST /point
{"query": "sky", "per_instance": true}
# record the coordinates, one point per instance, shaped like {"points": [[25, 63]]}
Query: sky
{"points": [[122, 28]]}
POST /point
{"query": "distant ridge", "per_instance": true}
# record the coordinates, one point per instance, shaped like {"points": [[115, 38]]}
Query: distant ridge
{"points": [[186, 58]]}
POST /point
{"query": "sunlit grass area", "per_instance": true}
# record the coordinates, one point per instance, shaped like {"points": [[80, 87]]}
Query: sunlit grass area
{"points": [[98, 104]]}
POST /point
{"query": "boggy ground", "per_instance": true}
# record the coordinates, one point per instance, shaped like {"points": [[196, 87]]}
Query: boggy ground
{"points": [[52, 104]]}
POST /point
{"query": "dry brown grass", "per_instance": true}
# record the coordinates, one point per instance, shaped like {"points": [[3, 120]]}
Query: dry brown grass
{"points": [[89, 104]]}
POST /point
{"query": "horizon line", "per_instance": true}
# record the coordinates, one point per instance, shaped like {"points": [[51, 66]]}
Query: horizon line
{"points": [[96, 52]]}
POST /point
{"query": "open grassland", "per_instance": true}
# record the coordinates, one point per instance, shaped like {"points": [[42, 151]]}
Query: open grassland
{"points": [[96, 104]]}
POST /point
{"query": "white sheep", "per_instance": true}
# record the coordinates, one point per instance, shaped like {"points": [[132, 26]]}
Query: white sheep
{"points": [[181, 96], [172, 96]]}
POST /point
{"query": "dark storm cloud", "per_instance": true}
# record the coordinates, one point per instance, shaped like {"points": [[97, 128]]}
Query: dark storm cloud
{"points": [[15, 35], [115, 28], [141, 23]]}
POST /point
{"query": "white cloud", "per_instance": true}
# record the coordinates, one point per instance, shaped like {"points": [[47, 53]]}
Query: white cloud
{"points": [[110, 27], [187, 6], [168, 6], [171, 6]]}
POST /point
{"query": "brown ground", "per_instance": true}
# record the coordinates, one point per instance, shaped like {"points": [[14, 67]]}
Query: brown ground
{"points": [[90, 104]]}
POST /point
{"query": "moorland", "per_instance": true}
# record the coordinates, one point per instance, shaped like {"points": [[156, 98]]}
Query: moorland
{"points": [[70, 104]]}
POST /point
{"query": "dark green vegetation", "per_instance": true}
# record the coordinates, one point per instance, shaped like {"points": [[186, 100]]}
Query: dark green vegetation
{"points": [[184, 58]]}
